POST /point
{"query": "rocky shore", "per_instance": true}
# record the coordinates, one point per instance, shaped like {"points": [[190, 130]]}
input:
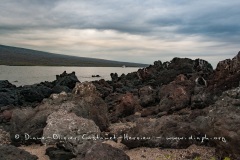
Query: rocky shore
{"points": [[182, 109]]}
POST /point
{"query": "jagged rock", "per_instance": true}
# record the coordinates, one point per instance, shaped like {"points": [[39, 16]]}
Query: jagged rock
{"points": [[200, 98], [4, 84], [72, 132], [27, 121], [65, 79], [176, 95], [103, 87], [202, 66], [147, 96], [59, 154], [226, 76], [127, 106], [35, 93], [8, 152], [223, 121], [101, 151], [8, 94], [114, 77], [92, 107]]}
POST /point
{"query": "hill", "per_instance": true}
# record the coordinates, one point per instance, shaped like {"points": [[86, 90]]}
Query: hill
{"points": [[15, 56]]}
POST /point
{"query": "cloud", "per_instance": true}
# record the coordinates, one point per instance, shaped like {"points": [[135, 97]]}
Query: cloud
{"points": [[139, 31]]}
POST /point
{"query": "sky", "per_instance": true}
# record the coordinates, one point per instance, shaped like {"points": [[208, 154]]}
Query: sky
{"points": [[140, 31]]}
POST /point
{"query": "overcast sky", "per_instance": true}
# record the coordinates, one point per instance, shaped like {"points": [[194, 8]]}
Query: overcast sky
{"points": [[126, 30]]}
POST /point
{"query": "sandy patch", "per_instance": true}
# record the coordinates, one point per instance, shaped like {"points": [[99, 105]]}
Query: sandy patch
{"points": [[197, 152], [37, 150]]}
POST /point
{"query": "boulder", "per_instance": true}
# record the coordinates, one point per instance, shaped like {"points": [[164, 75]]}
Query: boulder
{"points": [[70, 131], [223, 122], [27, 122], [176, 95], [101, 151], [147, 96], [128, 105], [92, 107], [9, 152]]}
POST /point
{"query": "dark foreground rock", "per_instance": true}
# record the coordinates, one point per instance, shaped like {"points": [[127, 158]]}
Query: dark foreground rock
{"points": [[66, 125], [101, 151], [8, 152], [85, 103], [59, 154], [223, 121]]}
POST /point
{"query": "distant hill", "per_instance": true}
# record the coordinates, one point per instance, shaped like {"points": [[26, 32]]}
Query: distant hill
{"points": [[15, 56]]}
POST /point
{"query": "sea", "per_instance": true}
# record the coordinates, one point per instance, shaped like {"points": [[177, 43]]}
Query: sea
{"points": [[28, 75]]}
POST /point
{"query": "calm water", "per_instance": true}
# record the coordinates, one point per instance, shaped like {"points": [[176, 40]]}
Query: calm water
{"points": [[27, 75]]}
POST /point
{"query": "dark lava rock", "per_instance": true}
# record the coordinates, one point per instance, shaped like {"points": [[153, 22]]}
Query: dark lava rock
{"points": [[65, 79], [8, 97], [147, 96], [101, 151], [223, 121], [90, 105], [226, 76], [59, 89], [27, 121], [4, 84], [122, 105], [63, 124], [85, 103], [127, 106], [59, 154], [176, 95], [103, 87], [35, 93], [8, 152]]}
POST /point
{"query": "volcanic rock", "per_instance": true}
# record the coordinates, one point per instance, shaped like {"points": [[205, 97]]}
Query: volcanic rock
{"points": [[8, 152], [101, 151], [72, 132]]}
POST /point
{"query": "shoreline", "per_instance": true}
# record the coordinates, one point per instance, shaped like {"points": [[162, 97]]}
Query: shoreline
{"points": [[175, 104]]}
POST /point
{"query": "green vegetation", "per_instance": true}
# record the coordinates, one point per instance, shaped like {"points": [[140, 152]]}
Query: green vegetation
{"points": [[25, 57]]}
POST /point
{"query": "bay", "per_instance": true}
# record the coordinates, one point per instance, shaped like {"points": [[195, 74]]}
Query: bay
{"points": [[28, 75]]}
